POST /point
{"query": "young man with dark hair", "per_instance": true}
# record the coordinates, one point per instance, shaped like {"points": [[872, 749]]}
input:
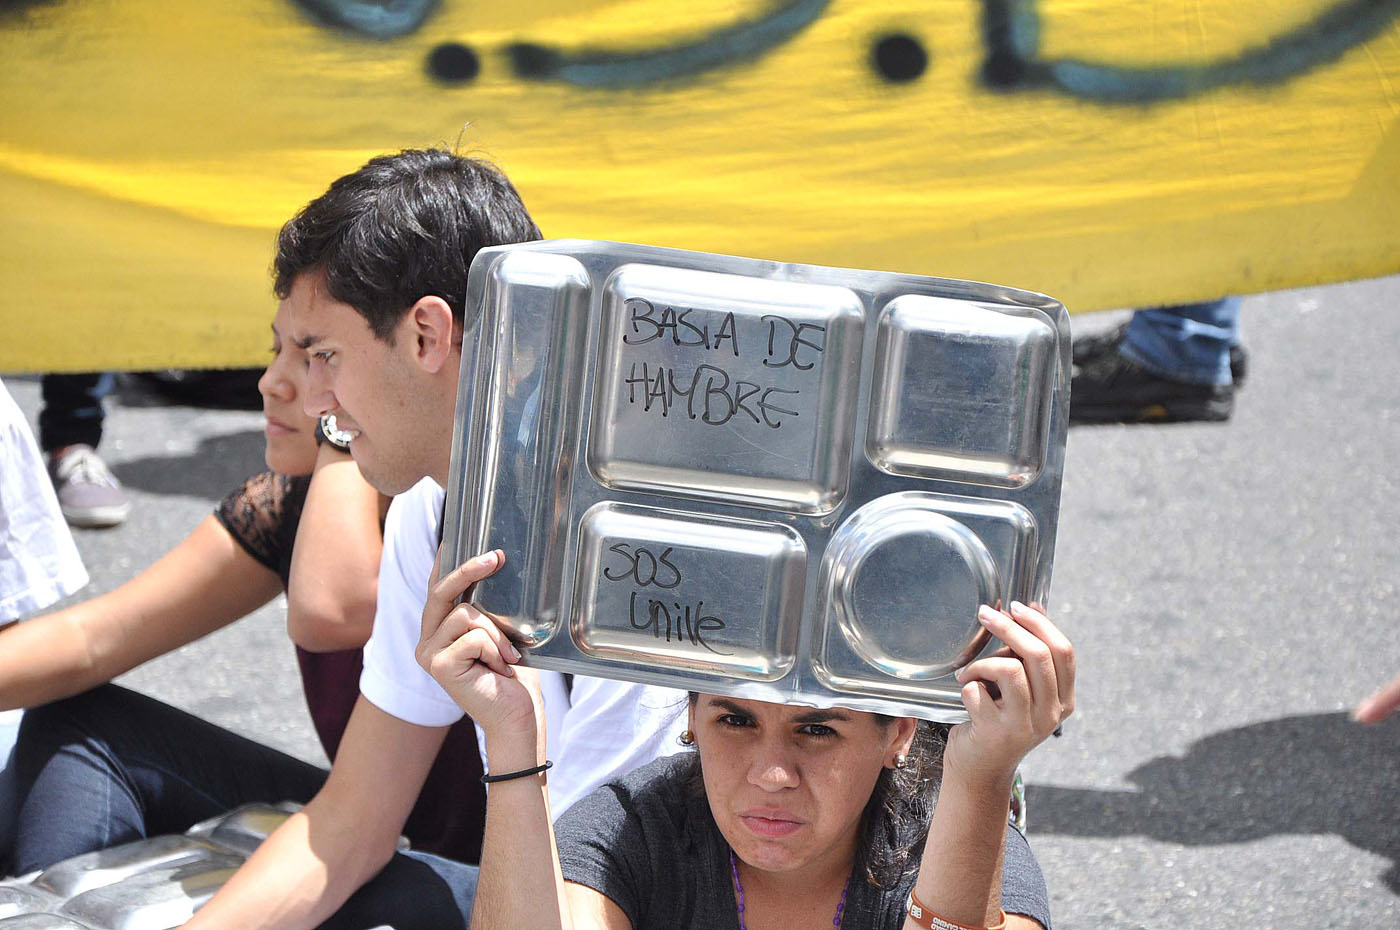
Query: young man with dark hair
{"points": [[375, 272]]}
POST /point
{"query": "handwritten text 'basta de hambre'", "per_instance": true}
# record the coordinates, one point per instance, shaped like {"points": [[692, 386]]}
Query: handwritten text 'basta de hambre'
{"points": [[708, 392]]}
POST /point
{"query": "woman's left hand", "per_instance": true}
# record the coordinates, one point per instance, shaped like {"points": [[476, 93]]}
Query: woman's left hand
{"points": [[1016, 697]]}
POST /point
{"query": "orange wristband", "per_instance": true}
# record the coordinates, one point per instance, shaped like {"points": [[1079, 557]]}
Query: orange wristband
{"points": [[921, 915]]}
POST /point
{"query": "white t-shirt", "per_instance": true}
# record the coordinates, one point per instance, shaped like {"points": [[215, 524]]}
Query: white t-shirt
{"points": [[595, 732], [38, 562]]}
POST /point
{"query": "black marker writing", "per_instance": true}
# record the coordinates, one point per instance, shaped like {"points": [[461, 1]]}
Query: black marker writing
{"points": [[645, 324], [685, 625], [644, 568], [710, 395], [794, 333]]}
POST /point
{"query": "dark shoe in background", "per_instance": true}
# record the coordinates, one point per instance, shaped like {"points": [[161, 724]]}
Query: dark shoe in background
{"points": [[1086, 348], [1111, 388], [89, 494]]}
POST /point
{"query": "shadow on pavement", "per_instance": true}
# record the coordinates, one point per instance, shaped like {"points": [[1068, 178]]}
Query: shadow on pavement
{"points": [[1317, 774], [217, 466]]}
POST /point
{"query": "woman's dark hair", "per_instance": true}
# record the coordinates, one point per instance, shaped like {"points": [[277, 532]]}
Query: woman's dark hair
{"points": [[402, 227], [894, 825]]}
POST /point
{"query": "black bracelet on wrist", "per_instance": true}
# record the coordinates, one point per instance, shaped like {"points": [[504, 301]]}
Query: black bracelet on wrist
{"points": [[523, 773]]}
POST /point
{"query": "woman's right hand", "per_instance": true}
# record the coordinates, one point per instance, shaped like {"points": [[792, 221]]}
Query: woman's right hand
{"points": [[473, 659]]}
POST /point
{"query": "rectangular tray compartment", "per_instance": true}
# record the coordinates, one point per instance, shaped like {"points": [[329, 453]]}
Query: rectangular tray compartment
{"points": [[529, 373], [961, 392], [16, 899], [108, 866], [689, 593], [156, 900], [719, 386]]}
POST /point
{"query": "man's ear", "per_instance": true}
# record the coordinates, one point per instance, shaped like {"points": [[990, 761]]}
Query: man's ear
{"points": [[433, 331]]}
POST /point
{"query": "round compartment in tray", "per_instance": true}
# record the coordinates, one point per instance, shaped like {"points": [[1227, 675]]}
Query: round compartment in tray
{"points": [[903, 585]]}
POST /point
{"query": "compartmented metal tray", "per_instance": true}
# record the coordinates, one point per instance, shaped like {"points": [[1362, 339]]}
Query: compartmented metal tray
{"points": [[781, 482], [152, 884]]}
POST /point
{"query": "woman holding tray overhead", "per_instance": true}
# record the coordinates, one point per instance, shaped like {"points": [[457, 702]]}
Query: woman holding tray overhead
{"points": [[783, 817]]}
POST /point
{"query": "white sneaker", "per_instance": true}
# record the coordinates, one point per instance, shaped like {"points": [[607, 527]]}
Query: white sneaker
{"points": [[88, 493]]}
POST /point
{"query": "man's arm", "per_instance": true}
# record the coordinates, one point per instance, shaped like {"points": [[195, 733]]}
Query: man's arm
{"points": [[312, 864]]}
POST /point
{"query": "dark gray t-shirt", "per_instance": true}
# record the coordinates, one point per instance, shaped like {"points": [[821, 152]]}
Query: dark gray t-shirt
{"points": [[652, 847]]}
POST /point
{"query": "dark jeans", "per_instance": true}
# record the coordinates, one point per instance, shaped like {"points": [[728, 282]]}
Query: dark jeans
{"points": [[111, 766], [72, 409], [1187, 342]]}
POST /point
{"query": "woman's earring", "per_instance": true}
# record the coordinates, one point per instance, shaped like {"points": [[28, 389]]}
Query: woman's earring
{"points": [[900, 762], [686, 738]]}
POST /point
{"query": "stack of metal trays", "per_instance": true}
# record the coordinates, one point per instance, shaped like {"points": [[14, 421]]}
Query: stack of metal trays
{"points": [[779, 482], [150, 884]]}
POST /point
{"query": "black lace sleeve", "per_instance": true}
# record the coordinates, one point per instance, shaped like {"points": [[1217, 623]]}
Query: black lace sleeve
{"points": [[263, 516]]}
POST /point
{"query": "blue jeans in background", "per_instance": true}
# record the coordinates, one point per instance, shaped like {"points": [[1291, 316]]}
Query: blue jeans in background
{"points": [[111, 766], [1188, 342]]}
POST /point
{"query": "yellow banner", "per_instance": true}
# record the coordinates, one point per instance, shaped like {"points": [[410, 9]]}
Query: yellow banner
{"points": [[1109, 153]]}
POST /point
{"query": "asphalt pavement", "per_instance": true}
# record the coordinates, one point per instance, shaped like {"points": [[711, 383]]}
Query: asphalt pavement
{"points": [[1230, 589]]}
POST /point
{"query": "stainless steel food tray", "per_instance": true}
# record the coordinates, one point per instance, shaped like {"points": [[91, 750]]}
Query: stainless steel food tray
{"points": [[155, 883], [781, 482]]}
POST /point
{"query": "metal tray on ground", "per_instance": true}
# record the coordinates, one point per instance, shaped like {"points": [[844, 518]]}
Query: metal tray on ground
{"points": [[150, 884], [781, 482]]}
